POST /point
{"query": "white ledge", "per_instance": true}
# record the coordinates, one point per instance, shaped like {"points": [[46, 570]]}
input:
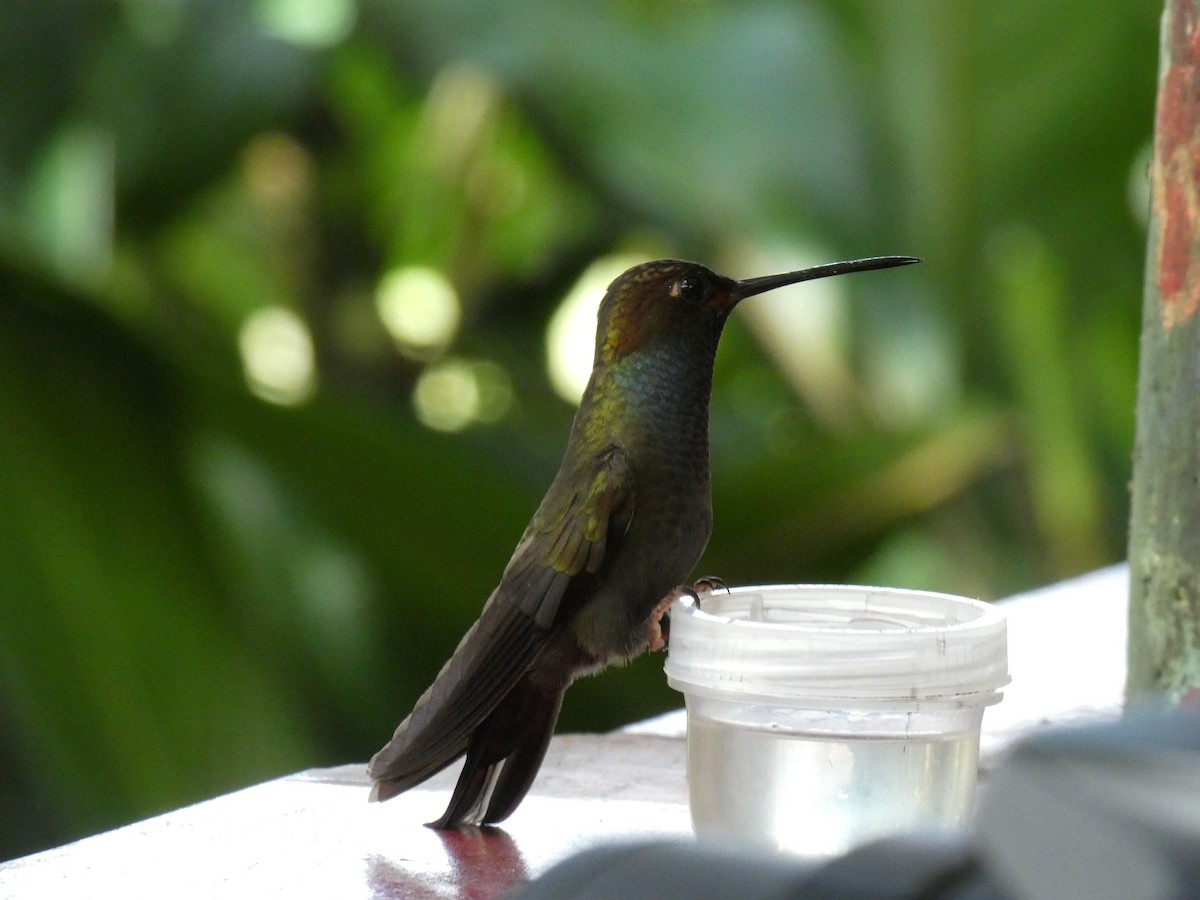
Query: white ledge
{"points": [[314, 834]]}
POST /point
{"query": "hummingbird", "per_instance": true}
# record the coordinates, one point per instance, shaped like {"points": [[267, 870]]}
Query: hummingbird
{"points": [[624, 522]]}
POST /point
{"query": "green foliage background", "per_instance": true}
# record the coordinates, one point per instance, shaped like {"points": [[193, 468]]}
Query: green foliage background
{"points": [[200, 589]]}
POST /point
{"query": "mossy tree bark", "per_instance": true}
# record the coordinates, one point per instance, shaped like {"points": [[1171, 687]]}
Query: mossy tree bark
{"points": [[1164, 541]]}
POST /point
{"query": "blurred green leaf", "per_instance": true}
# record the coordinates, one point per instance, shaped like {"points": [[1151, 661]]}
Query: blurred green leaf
{"points": [[126, 688]]}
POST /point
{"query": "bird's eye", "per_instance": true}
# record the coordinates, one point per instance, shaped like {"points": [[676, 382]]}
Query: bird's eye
{"points": [[689, 289]]}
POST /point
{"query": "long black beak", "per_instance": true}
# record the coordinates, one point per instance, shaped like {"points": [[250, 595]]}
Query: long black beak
{"points": [[750, 286]]}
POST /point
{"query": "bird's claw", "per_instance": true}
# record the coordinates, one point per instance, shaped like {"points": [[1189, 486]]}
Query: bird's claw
{"points": [[658, 626]]}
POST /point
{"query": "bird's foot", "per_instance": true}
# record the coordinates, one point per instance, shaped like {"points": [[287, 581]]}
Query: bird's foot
{"points": [[658, 626]]}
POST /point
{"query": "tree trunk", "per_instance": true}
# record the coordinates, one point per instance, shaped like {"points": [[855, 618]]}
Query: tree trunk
{"points": [[1164, 540]]}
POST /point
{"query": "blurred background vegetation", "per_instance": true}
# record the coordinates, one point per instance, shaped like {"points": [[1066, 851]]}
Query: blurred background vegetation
{"points": [[291, 296]]}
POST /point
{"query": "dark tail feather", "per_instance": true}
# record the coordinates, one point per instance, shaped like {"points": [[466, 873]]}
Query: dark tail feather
{"points": [[503, 758], [471, 791], [522, 766]]}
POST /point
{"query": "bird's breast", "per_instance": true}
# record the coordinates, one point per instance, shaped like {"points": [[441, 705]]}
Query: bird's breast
{"points": [[654, 406]]}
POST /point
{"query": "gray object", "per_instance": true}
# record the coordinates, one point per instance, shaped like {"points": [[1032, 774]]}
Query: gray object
{"points": [[1088, 813]]}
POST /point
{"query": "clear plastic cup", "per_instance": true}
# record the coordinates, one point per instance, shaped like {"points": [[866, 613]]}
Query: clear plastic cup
{"points": [[823, 716]]}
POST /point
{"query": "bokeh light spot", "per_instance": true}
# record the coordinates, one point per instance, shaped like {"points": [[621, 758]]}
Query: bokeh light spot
{"points": [[278, 356], [571, 332], [278, 170], [419, 307], [447, 396], [455, 393], [308, 23]]}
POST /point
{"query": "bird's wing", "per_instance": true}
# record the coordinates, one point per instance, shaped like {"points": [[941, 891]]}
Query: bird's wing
{"points": [[569, 535], [568, 538]]}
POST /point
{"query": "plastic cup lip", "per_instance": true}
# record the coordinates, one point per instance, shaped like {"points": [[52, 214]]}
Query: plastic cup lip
{"points": [[826, 643]]}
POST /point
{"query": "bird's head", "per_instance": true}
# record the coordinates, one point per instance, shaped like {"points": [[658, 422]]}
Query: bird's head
{"points": [[687, 300]]}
